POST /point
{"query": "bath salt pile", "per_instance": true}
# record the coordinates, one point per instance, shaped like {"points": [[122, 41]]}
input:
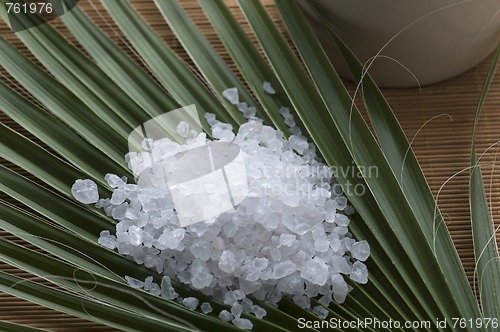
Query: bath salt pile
{"points": [[288, 237]]}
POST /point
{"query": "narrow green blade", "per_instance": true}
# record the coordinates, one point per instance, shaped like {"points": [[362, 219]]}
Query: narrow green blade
{"points": [[171, 71], [484, 235], [412, 182]]}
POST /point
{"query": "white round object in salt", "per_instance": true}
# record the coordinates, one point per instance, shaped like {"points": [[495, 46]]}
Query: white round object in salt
{"points": [[339, 287], [135, 283], [191, 302], [147, 283], [341, 202], [243, 323], [315, 271], [258, 311], [155, 289], [320, 311], [114, 181], [107, 240], [200, 274], [359, 273], [283, 269], [302, 301], [260, 263], [135, 235], [250, 112], [298, 143], [206, 308], [227, 262], [231, 95], [360, 250], [340, 265], [85, 191], [239, 294], [268, 88], [287, 239], [341, 220], [182, 129], [225, 316], [236, 310]]}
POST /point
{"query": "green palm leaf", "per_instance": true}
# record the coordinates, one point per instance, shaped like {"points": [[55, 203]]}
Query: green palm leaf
{"points": [[415, 273]]}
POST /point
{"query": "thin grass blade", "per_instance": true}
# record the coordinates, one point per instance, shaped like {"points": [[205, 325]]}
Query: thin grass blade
{"points": [[483, 232]]}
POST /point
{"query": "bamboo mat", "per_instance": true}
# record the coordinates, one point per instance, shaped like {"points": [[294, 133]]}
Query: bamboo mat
{"points": [[442, 145]]}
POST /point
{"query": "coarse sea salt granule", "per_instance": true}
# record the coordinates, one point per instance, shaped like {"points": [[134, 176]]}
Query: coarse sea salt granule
{"points": [[85, 191], [289, 237]]}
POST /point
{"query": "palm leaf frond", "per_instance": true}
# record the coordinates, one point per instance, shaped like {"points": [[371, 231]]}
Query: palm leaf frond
{"points": [[90, 105]]}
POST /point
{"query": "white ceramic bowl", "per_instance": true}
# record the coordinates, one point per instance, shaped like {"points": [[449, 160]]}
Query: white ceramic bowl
{"points": [[433, 39]]}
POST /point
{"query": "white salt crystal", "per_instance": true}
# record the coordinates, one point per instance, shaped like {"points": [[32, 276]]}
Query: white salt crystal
{"points": [[191, 302], [359, 273], [283, 269], [291, 199], [321, 245], [85, 191], [225, 316], [340, 289], [335, 244], [298, 143], [349, 210], [290, 121], [135, 235], [315, 271], [102, 203], [200, 275], [169, 293], [360, 250], [242, 107], [135, 283], [326, 299], [231, 95], [284, 111], [171, 239], [294, 130], [243, 323], [182, 129], [287, 239], [210, 117], [118, 197], [275, 254], [236, 310], [341, 202], [341, 220], [320, 311], [218, 243], [107, 240], [302, 301], [119, 211], [268, 88], [155, 289], [340, 265], [347, 243], [206, 308], [258, 311], [249, 112], [229, 298], [239, 294], [227, 262], [260, 263], [114, 181], [147, 283]]}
